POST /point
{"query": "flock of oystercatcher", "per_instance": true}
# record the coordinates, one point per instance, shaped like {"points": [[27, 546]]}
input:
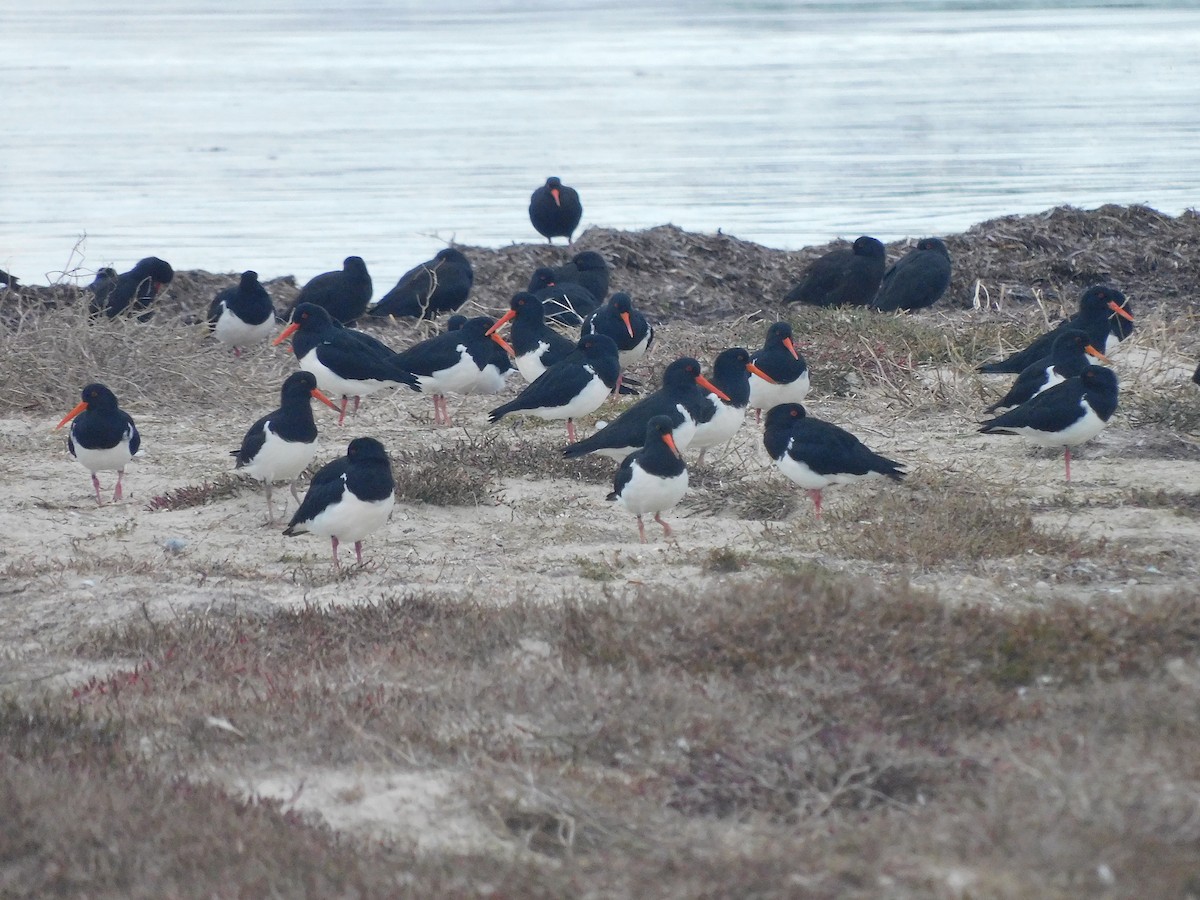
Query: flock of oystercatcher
{"points": [[1059, 398]]}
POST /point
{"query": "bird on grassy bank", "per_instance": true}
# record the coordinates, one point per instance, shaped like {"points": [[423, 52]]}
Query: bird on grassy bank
{"points": [[719, 420], [625, 325], [653, 479], [1105, 316], [344, 295], [103, 436], [572, 387], [916, 280], [349, 498], [555, 210], [782, 363], [816, 454], [1064, 415], [586, 269], [682, 398], [843, 277], [439, 285], [1068, 359], [495, 373], [564, 302], [135, 289], [347, 363], [280, 445], [243, 314], [456, 362]]}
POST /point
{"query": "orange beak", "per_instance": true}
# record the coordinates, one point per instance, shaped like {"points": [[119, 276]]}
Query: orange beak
{"points": [[1120, 310], [507, 317], [709, 386], [669, 440], [503, 343], [787, 342], [319, 396], [628, 323], [285, 334], [72, 414], [753, 369], [554, 194], [1096, 353]]}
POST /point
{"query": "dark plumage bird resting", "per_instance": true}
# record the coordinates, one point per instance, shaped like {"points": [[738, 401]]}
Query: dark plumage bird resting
{"points": [[653, 479], [243, 314], [1104, 315], [555, 210], [344, 295], [587, 269], [625, 325], [843, 277], [135, 289], [453, 362], [1068, 359], [565, 302], [439, 285], [917, 279], [102, 436]]}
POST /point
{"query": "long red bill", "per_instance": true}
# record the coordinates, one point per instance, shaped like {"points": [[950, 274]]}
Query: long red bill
{"points": [[72, 414], [503, 343], [1120, 310], [787, 342], [628, 323], [751, 367], [554, 194], [285, 334], [709, 386], [669, 440], [319, 396], [1096, 353], [507, 317]]}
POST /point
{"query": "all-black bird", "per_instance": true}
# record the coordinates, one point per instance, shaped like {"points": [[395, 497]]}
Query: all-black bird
{"points": [[243, 314], [565, 302], [343, 294], [104, 275], [785, 368], [439, 285], [103, 436], [1064, 415], [135, 289], [280, 445], [1068, 359], [816, 454], [555, 210], [587, 269], [683, 398], [572, 387], [917, 279], [349, 498], [1105, 316], [847, 277], [652, 479], [1196, 377], [8, 281]]}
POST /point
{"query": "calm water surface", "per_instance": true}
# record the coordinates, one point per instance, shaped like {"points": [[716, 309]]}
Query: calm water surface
{"points": [[285, 136]]}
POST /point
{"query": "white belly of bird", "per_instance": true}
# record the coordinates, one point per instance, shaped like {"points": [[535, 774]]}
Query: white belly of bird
{"points": [[280, 460], [109, 459], [351, 519], [233, 331], [530, 364], [490, 381], [1086, 427], [1052, 378], [764, 395], [629, 357], [720, 428], [647, 493], [335, 385], [458, 379], [586, 401]]}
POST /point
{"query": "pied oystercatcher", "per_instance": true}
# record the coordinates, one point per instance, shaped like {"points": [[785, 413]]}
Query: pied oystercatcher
{"points": [[459, 362], [653, 479], [787, 369], [102, 436], [243, 314], [1068, 359]]}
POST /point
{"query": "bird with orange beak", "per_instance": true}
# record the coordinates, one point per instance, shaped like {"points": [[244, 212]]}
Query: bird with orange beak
{"points": [[654, 479], [555, 210], [102, 436]]}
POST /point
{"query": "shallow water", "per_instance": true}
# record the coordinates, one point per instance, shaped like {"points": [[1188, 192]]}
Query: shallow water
{"points": [[285, 136]]}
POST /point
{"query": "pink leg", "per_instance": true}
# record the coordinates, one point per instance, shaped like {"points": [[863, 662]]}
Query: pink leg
{"points": [[237, 351], [357, 401], [815, 493], [666, 527], [617, 388], [117, 493], [358, 551], [758, 417], [336, 564], [446, 411], [342, 417], [571, 436], [641, 529], [700, 458], [1068, 458], [96, 486]]}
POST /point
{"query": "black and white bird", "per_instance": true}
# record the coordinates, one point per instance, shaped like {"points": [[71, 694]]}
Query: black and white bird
{"points": [[625, 325], [816, 454], [495, 374], [683, 398], [848, 277], [587, 269], [1064, 415], [280, 445], [572, 387], [343, 294], [653, 479], [1105, 316], [917, 279], [536, 346], [136, 289], [439, 285], [555, 210], [1068, 359], [565, 302], [784, 365], [347, 363], [731, 374], [102, 436], [243, 314], [349, 498]]}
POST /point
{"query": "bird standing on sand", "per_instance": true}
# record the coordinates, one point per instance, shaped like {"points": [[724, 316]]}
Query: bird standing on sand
{"points": [[1064, 415], [555, 210], [815, 454], [102, 436], [917, 279], [349, 498], [344, 295], [280, 445], [1105, 316], [843, 277], [440, 285], [243, 314], [653, 479], [782, 363], [1068, 359], [720, 420], [625, 325], [135, 289]]}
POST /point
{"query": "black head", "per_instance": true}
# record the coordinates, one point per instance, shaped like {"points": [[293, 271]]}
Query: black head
{"points": [[553, 182], [355, 265], [729, 363], [157, 270], [784, 414], [249, 281], [449, 254], [778, 332], [597, 345], [97, 396], [682, 372], [869, 247], [1100, 296], [366, 449], [932, 243], [477, 328], [621, 303], [661, 428], [589, 261], [456, 322], [541, 278], [527, 304], [1099, 378], [298, 384], [1071, 338], [309, 315]]}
